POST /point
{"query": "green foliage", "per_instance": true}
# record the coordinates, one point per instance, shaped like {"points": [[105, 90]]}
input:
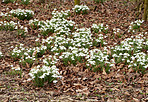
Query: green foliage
{"points": [[36, 24], [7, 18], [48, 31], [7, 26], [8, 1], [135, 26], [15, 55], [25, 2], [40, 81], [15, 72], [40, 53], [100, 28], [77, 2], [42, 74], [21, 33], [28, 61], [22, 14], [99, 1], [81, 9]]}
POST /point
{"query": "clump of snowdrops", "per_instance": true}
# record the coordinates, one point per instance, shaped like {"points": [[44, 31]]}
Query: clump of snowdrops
{"points": [[61, 14], [10, 26], [22, 14], [81, 9], [27, 55], [134, 26], [42, 74], [17, 52], [15, 70], [5, 16], [36, 24], [130, 53], [56, 25], [4, 25], [100, 28]]}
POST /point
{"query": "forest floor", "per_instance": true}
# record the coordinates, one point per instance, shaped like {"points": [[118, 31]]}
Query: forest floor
{"points": [[78, 83]]}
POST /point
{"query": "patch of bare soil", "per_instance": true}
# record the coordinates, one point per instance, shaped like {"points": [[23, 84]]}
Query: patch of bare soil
{"points": [[8, 39]]}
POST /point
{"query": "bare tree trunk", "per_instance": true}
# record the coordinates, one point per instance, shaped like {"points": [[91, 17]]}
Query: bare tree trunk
{"points": [[77, 2], [145, 10]]}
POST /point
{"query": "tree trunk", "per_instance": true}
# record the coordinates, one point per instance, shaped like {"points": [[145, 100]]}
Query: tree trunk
{"points": [[145, 10], [77, 2]]}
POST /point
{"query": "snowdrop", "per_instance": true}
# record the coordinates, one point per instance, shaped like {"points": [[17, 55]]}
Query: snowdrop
{"points": [[100, 28], [1, 54], [4, 25], [135, 25], [42, 74], [35, 24], [81, 9], [22, 14], [97, 57], [17, 52], [130, 52], [15, 70], [4, 14], [61, 14]]}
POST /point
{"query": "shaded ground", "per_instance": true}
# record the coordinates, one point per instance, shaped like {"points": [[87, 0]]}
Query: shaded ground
{"points": [[78, 83]]}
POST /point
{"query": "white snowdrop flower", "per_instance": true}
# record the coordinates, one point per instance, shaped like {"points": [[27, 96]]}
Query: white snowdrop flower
{"points": [[38, 66], [128, 61], [55, 75], [114, 55], [92, 62], [25, 53], [123, 59], [120, 54], [146, 66], [44, 61], [129, 66], [87, 65], [135, 64], [112, 61], [43, 76], [31, 74], [12, 68], [26, 29], [1, 53], [55, 81], [141, 63], [56, 54], [111, 65]]}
